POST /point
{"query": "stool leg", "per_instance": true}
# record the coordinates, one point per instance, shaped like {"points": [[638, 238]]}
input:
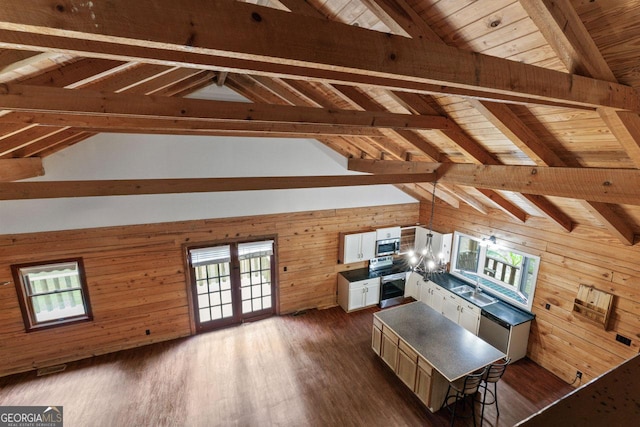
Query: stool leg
{"points": [[484, 400], [495, 397], [473, 410]]}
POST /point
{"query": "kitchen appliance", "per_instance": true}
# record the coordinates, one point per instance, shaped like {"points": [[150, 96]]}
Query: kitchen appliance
{"points": [[392, 280], [495, 331], [387, 247]]}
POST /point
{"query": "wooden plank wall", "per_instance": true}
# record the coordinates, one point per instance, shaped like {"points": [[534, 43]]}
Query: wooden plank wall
{"points": [[561, 341], [137, 282]]}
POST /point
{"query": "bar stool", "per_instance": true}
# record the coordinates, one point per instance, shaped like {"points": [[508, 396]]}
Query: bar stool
{"points": [[464, 387], [492, 375]]}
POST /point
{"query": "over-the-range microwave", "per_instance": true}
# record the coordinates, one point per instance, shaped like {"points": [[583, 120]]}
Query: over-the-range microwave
{"points": [[387, 247]]}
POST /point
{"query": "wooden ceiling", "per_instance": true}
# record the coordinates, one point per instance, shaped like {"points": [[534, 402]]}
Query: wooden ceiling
{"points": [[528, 107]]}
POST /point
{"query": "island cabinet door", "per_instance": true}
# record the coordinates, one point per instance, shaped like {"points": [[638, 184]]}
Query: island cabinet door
{"points": [[423, 382], [407, 364], [389, 348], [431, 387], [376, 336]]}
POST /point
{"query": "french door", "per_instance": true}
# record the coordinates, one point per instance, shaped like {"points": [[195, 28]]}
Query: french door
{"points": [[232, 283]]}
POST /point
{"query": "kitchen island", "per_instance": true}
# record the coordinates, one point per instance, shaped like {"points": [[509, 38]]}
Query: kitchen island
{"points": [[427, 351]]}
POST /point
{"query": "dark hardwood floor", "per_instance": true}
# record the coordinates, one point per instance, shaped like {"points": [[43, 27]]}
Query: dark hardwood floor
{"points": [[312, 369]]}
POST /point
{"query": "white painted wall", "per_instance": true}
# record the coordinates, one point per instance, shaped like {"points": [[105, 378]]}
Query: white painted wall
{"points": [[117, 156]]}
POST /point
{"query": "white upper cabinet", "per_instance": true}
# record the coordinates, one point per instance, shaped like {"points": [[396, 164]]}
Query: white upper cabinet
{"points": [[388, 233], [357, 247]]}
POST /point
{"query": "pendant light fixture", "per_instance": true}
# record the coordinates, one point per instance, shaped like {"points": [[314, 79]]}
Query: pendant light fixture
{"points": [[428, 264]]}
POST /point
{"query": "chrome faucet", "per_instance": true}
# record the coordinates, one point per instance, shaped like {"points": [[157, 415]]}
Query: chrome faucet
{"points": [[478, 288]]}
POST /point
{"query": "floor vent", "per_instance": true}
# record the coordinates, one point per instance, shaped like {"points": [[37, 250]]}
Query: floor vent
{"points": [[51, 370]]}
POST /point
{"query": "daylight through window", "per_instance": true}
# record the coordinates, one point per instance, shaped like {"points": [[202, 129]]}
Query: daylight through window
{"points": [[52, 293]]}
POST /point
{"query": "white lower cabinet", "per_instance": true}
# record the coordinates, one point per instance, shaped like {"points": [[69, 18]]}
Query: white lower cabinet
{"points": [[418, 288], [451, 307], [470, 317], [438, 297], [357, 295], [455, 308]]}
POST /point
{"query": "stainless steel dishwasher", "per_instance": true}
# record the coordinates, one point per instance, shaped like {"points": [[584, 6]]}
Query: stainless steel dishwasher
{"points": [[495, 331]]}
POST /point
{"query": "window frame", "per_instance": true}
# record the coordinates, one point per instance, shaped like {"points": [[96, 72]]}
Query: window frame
{"points": [[26, 301], [503, 288]]}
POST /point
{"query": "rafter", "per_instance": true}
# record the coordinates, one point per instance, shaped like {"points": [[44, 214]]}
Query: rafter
{"points": [[567, 35], [277, 43]]}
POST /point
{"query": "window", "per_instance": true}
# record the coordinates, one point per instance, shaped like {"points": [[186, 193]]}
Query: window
{"points": [[52, 293], [505, 272]]}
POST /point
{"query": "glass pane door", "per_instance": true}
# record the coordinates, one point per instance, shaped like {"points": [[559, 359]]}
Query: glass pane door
{"points": [[213, 285], [232, 283], [255, 284]]}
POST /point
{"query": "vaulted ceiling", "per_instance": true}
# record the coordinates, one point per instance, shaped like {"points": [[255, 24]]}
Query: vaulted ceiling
{"points": [[528, 107]]}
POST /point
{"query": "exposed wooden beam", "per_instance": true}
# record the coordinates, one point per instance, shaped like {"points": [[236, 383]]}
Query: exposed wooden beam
{"points": [[592, 184], [504, 205], [15, 169], [365, 102], [566, 34], [509, 123], [564, 31], [86, 102], [616, 225], [391, 166], [402, 12], [597, 184], [625, 126], [474, 152], [262, 40], [119, 124], [56, 189]]}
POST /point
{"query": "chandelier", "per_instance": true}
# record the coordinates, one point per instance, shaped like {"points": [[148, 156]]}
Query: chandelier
{"points": [[428, 263]]}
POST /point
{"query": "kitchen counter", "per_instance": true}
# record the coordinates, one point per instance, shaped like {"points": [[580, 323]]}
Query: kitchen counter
{"points": [[452, 350], [364, 273], [502, 310]]}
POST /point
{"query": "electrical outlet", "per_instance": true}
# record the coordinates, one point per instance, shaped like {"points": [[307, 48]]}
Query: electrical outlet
{"points": [[578, 374], [547, 306]]}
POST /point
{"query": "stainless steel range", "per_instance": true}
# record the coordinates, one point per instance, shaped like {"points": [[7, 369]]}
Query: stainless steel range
{"points": [[392, 280]]}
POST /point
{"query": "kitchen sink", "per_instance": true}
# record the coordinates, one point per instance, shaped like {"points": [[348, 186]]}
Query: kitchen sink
{"points": [[462, 289], [480, 300]]}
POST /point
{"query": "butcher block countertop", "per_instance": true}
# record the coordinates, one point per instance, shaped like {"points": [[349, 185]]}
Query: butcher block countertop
{"points": [[450, 349]]}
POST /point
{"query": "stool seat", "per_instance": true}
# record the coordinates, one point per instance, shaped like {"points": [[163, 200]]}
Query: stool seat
{"points": [[492, 375], [463, 388]]}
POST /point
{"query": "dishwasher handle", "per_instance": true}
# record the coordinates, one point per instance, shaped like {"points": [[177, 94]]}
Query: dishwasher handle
{"points": [[495, 319]]}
